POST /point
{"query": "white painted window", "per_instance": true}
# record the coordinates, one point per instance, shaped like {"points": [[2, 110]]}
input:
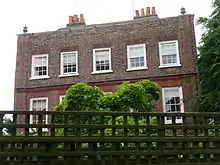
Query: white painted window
{"points": [[39, 66], [69, 63], [61, 98], [169, 54], [173, 102], [102, 60], [136, 55], [38, 104]]}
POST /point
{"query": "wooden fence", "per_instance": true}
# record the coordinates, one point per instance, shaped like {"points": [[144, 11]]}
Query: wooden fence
{"points": [[110, 138]]}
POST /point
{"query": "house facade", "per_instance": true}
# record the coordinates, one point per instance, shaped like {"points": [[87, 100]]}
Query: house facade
{"points": [[148, 47]]}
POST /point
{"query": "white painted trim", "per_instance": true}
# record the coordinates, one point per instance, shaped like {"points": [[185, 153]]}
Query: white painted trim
{"points": [[177, 54], [108, 92], [38, 78], [69, 75], [61, 64], [61, 98], [128, 57], [94, 61], [30, 108], [32, 67], [181, 106], [104, 71], [170, 66], [134, 69]]}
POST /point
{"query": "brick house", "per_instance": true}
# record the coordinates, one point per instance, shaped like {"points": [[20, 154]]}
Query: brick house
{"points": [[148, 47]]}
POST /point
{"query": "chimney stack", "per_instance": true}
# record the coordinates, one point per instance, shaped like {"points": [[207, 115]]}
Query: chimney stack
{"points": [[76, 20], [149, 14]]}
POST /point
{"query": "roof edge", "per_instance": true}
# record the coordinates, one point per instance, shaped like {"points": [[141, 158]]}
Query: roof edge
{"points": [[117, 23]]}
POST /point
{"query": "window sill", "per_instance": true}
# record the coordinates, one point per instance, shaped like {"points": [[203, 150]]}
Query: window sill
{"points": [[136, 69], [68, 75], [100, 72], [38, 78], [170, 66]]}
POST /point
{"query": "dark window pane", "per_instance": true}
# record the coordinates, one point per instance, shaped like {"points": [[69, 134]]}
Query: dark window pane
{"points": [[177, 99]]}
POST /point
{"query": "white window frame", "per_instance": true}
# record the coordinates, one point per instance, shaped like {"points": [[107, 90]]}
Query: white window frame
{"points": [[177, 64], [61, 64], [62, 97], [94, 61], [177, 121], [31, 109], [128, 57], [32, 67]]}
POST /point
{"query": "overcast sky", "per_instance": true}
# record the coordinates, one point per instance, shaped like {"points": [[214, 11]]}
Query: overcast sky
{"points": [[48, 15]]}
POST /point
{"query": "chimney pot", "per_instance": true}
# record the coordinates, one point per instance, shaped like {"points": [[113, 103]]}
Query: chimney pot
{"points": [[137, 13], [147, 11], [153, 11], [70, 19], [76, 18], [142, 12], [81, 18]]}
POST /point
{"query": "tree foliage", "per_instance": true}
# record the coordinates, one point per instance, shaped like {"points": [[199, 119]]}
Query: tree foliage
{"points": [[138, 97], [81, 97], [208, 61], [134, 97], [8, 130]]}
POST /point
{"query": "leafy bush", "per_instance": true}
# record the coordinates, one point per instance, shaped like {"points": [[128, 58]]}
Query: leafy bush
{"points": [[81, 97], [136, 97], [208, 65], [133, 97]]}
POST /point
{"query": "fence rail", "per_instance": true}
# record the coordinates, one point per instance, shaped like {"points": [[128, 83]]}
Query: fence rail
{"points": [[109, 138]]}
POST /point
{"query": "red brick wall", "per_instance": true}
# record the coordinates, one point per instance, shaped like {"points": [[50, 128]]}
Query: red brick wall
{"points": [[114, 35], [53, 94]]}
